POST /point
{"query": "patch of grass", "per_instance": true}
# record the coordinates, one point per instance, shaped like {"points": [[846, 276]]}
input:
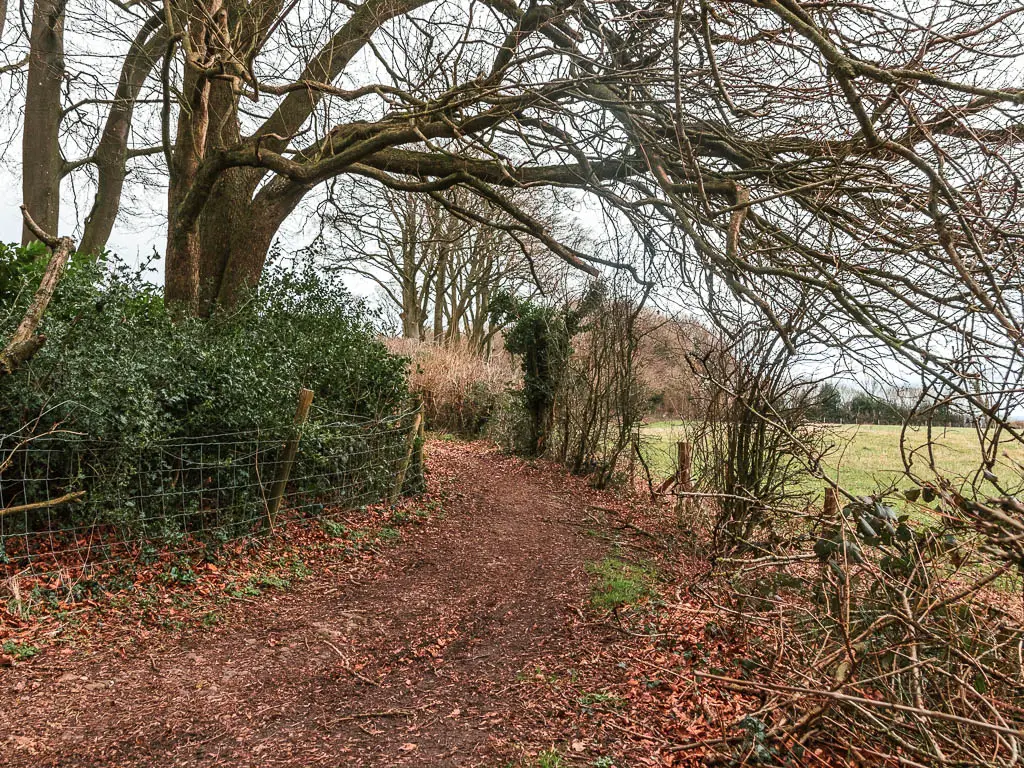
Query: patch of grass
{"points": [[867, 458], [619, 583], [388, 535], [20, 651], [550, 758]]}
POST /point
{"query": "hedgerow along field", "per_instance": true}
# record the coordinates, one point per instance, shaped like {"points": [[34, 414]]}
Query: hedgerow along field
{"points": [[866, 458]]}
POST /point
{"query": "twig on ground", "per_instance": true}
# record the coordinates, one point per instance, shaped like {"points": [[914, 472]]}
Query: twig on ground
{"points": [[377, 713], [348, 667]]}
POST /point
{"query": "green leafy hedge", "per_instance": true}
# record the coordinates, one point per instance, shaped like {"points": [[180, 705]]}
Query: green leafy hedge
{"points": [[149, 407], [115, 367]]}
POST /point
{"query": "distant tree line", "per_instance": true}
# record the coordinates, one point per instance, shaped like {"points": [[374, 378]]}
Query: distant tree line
{"points": [[834, 404]]}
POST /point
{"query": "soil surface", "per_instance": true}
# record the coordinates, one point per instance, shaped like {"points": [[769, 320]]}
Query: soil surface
{"points": [[445, 650]]}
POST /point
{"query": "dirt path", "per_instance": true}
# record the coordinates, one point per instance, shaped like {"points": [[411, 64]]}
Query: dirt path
{"points": [[428, 656]]}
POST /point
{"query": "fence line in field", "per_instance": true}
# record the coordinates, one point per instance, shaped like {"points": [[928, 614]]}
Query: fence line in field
{"points": [[68, 501]]}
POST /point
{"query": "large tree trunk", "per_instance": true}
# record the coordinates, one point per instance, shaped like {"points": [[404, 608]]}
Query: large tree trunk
{"points": [[248, 256], [250, 247], [42, 162], [226, 224], [181, 262], [217, 253], [215, 259]]}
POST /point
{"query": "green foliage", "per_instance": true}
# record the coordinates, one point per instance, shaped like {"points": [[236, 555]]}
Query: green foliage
{"points": [[20, 651], [197, 408], [755, 748], [116, 368], [868, 521], [619, 584], [179, 573], [828, 403], [541, 336], [333, 528], [271, 581], [19, 268]]}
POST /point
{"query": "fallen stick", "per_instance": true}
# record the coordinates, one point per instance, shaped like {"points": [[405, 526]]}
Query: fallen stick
{"points": [[26, 341], [348, 667], [379, 713], [67, 497], [638, 529]]}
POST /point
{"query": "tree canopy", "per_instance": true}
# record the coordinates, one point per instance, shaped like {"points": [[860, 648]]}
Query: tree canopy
{"points": [[849, 171]]}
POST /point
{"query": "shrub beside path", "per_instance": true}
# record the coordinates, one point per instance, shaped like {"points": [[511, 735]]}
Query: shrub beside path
{"points": [[468, 643]]}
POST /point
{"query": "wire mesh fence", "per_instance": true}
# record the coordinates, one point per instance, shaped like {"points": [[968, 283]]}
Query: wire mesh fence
{"points": [[69, 501]]}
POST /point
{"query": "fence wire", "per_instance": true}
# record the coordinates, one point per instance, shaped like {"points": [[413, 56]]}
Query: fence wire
{"points": [[68, 501]]}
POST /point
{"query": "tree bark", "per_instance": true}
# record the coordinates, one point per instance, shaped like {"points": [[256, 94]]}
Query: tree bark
{"points": [[226, 226], [412, 300], [440, 293], [26, 342], [182, 259], [248, 256], [251, 246], [227, 223], [112, 151], [41, 156]]}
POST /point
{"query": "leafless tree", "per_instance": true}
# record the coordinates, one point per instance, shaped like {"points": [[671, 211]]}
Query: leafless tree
{"points": [[868, 153], [434, 260]]}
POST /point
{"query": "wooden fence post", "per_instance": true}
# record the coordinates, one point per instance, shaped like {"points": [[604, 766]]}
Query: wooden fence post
{"points": [[684, 480], [684, 457], [291, 447], [421, 445], [410, 443], [831, 503]]}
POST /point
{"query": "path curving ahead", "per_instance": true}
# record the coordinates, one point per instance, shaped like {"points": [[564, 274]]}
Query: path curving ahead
{"points": [[428, 656]]}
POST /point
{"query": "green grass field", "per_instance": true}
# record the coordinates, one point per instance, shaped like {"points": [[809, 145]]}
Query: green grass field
{"points": [[866, 457]]}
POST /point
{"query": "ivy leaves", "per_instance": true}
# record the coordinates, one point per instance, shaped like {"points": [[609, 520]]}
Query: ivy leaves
{"points": [[871, 523]]}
